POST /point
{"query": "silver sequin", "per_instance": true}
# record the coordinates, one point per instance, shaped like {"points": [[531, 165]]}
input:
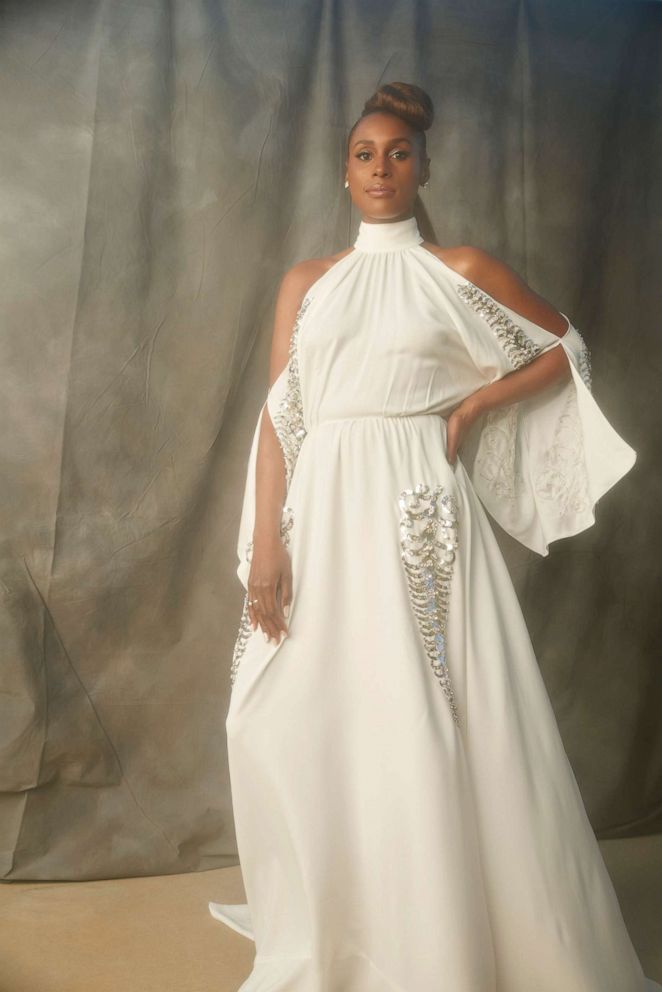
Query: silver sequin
{"points": [[245, 628], [428, 542], [288, 419], [517, 345]]}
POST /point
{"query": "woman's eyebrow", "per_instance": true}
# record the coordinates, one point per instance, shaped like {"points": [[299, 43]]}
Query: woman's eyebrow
{"points": [[369, 141]]}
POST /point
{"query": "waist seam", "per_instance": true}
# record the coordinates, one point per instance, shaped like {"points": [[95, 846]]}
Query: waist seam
{"points": [[375, 416]]}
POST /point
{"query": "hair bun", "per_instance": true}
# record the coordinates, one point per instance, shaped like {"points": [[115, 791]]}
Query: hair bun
{"points": [[406, 100]]}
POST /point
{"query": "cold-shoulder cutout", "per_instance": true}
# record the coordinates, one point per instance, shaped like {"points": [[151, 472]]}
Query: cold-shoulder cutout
{"points": [[471, 277], [542, 463]]}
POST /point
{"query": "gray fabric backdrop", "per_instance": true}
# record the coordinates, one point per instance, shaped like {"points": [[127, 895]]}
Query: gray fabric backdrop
{"points": [[163, 164]]}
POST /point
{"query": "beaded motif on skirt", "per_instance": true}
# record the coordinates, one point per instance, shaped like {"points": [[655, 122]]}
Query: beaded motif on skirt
{"points": [[428, 541]]}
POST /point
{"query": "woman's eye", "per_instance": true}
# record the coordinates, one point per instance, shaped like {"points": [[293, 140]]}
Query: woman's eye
{"points": [[398, 151]]}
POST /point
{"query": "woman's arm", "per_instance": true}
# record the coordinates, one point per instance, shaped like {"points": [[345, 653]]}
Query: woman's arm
{"points": [[270, 472], [505, 286], [270, 572], [540, 373], [270, 464]]}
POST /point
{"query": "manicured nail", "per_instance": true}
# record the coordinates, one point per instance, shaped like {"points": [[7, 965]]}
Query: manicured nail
{"points": [[286, 610], [266, 636]]}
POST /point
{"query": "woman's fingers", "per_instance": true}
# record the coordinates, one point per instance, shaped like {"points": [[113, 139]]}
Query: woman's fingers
{"points": [[286, 594], [451, 445], [269, 589], [456, 425], [253, 602], [273, 623], [264, 612]]}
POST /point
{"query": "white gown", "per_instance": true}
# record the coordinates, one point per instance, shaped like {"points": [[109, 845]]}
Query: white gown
{"points": [[406, 815]]}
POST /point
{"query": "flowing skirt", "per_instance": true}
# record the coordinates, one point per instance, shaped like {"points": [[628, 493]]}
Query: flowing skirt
{"points": [[407, 818]]}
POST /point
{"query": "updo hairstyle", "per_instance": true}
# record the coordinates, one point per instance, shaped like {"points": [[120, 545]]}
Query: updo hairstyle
{"points": [[407, 101]]}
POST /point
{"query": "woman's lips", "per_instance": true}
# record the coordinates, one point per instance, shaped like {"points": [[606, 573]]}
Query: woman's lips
{"points": [[380, 192]]}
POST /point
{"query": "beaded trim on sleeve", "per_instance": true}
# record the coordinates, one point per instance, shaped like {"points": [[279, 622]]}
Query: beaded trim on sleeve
{"points": [[245, 628], [427, 556], [585, 363], [517, 345], [244, 632], [288, 419]]}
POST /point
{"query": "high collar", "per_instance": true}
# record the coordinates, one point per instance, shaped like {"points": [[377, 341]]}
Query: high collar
{"points": [[388, 236]]}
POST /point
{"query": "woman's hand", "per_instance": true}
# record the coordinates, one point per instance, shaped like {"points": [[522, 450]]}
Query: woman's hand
{"points": [[458, 423], [270, 574]]}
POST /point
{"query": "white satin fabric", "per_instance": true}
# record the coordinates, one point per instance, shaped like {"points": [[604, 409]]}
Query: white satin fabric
{"points": [[386, 844]]}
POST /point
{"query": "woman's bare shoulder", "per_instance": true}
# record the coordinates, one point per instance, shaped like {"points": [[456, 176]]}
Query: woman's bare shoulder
{"points": [[300, 277], [466, 260], [501, 282]]}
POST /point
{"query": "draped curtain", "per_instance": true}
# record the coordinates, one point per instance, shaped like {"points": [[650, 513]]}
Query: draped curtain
{"points": [[164, 163]]}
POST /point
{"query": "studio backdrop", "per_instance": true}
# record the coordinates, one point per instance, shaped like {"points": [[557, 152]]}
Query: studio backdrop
{"points": [[163, 164]]}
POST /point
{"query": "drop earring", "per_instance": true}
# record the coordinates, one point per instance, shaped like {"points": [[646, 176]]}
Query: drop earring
{"points": [[347, 184]]}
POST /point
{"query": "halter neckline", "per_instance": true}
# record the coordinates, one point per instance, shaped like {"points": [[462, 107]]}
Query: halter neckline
{"points": [[388, 236]]}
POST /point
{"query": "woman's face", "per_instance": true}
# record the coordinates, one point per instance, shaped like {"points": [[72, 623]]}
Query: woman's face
{"points": [[384, 151]]}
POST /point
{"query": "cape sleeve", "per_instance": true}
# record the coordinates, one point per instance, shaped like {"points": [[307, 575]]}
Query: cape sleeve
{"points": [[285, 407], [276, 397], [541, 464]]}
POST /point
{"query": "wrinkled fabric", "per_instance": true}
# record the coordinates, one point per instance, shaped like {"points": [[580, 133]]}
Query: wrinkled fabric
{"points": [[390, 830]]}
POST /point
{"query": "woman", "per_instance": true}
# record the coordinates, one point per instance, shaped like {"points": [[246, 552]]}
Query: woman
{"points": [[406, 815]]}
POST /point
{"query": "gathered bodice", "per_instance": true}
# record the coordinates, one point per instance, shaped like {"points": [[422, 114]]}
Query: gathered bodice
{"points": [[390, 336], [379, 334]]}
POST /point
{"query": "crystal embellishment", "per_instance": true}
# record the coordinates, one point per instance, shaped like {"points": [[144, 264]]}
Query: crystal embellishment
{"points": [[288, 419], [245, 631], [428, 542], [518, 346], [585, 363], [245, 628]]}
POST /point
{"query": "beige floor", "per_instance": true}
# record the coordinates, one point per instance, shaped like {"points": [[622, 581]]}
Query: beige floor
{"points": [[155, 934]]}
